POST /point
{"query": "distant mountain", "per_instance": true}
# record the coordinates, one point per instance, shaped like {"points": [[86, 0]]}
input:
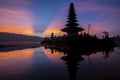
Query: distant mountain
{"points": [[11, 37]]}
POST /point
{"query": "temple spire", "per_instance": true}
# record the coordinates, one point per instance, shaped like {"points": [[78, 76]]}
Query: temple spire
{"points": [[72, 28], [72, 20]]}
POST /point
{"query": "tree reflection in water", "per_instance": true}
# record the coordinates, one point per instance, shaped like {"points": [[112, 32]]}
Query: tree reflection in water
{"points": [[73, 55]]}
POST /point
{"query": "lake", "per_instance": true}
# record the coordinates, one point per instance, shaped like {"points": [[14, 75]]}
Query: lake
{"points": [[42, 63]]}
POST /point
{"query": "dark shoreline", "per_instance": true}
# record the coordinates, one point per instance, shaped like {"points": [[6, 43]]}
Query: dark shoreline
{"points": [[10, 46]]}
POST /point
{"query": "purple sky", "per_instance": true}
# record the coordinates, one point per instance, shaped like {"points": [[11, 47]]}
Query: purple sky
{"points": [[41, 17]]}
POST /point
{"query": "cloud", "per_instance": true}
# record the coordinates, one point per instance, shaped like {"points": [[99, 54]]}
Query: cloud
{"points": [[106, 15], [16, 21], [14, 2], [55, 27], [16, 29], [14, 18], [26, 2], [56, 24], [15, 13], [94, 6]]}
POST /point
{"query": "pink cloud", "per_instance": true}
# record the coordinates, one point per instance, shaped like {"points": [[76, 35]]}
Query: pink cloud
{"points": [[26, 2], [110, 24], [99, 24], [95, 7], [98, 28], [21, 2], [16, 21]]}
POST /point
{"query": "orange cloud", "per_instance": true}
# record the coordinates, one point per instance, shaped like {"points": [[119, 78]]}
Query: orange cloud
{"points": [[18, 2], [18, 29], [55, 26], [51, 29], [16, 21]]}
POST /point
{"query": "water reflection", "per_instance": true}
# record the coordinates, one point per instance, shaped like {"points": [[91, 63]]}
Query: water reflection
{"points": [[15, 62], [30, 64], [61, 63], [53, 55], [73, 55]]}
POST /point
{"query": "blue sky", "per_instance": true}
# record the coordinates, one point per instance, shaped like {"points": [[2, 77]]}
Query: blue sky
{"points": [[41, 17]]}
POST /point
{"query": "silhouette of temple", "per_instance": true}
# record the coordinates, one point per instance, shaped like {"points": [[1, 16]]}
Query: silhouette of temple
{"points": [[74, 46], [72, 28], [74, 38]]}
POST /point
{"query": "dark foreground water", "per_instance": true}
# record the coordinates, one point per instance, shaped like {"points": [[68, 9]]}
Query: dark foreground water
{"points": [[45, 64]]}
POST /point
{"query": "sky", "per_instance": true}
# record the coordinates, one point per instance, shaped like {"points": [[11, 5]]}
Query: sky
{"points": [[42, 17]]}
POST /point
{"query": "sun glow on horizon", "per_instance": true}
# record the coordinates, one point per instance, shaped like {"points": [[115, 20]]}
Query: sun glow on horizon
{"points": [[17, 30], [55, 27], [50, 30]]}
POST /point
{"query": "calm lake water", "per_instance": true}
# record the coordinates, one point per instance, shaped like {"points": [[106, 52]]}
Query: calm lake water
{"points": [[45, 64]]}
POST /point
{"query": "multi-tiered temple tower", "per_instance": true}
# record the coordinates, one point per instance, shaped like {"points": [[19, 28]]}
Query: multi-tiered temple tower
{"points": [[72, 28]]}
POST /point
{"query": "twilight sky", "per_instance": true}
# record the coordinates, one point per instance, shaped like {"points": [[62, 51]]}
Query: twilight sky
{"points": [[41, 17]]}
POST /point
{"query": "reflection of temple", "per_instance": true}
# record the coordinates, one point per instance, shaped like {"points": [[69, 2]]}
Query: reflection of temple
{"points": [[73, 55], [71, 58], [72, 62], [80, 45]]}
